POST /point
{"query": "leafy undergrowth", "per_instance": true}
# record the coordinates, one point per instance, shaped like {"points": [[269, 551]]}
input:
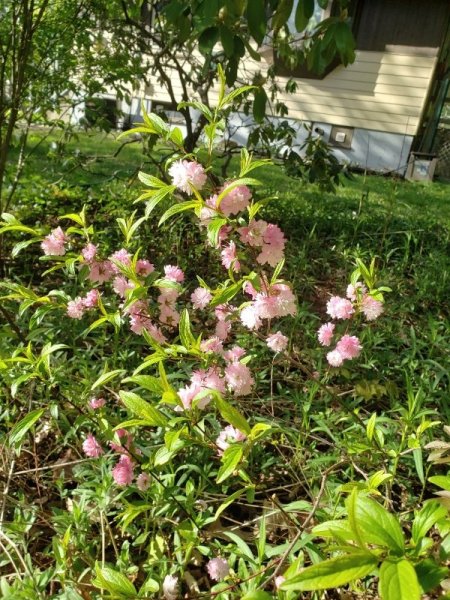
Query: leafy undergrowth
{"points": [[67, 530]]}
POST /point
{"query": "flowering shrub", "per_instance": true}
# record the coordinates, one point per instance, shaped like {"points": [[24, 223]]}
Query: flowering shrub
{"points": [[197, 349]]}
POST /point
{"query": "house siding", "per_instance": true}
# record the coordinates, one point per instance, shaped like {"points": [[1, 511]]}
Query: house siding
{"points": [[381, 91]]}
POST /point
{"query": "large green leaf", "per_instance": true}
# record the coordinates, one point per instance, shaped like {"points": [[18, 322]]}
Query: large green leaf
{"points": [[231, 458], [398, 581], [142, 409], [378, 526], [430, 514], [303, 13], [257, 19], [20, 429], [114, 582], [232, 415], [333, 572]]}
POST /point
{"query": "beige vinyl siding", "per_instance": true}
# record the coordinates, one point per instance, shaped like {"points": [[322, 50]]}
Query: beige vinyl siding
{"points": [[383, 91]]}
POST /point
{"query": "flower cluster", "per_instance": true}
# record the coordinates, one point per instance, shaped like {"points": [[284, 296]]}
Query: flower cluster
{"points": [[53, 244], [358, 301]]}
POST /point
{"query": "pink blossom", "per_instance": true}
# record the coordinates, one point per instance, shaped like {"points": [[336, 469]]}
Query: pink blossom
{"points": [[173, 273], [239, 378], [222, 329], [123, 446], [250, 316], [236, 353], [339, 308], [212, 344], [325, 334], [143, 482], [253, 235], [91, 299], [229, 257], [273, 235], [213, 381], [168, 297], [169, 316], [349, 347], [170, 587], [371, 308], [200, 298], [53, 243], [91, 447], [186, 175], [224, 231], [279, 301], [144, 267], [236, 200], [335, 358], [96, 403], [250, 289], [277, 342], [123, 471], [218, 568], [89, 252], [279, 581], [100, 271], [76, 308], [122, 258], [227, 436], [188, 393], [270, 255], [121, 284], [354, 290]]}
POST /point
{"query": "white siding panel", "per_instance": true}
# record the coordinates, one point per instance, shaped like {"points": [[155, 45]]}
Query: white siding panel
{"points": [[383, 91]]}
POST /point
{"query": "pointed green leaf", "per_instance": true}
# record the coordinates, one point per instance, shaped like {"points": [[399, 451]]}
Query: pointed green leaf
{"points": [[398, 581], [332, 573], [142, 409]]}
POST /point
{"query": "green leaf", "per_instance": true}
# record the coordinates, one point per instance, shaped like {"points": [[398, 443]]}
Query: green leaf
{"points": [[378, 526], [225, 295], [257, 19], [106, 377], [227, 40], [431, 512], [430, 574], [257, 595], [304, 12], [232, 415], [142, 409], [208, 39], [332, 573], [152, 384], [186, 337], [338, 529], [178, 208], [213, 230], [259, 105], [230, 460], [398, 581], [21, 428], [205, 110], [228, 501], [370, 427], [282, 13], [442, 481], [114, 582]]}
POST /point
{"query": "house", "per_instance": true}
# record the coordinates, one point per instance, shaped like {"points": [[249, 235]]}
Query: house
{"points": [[393, 100]]}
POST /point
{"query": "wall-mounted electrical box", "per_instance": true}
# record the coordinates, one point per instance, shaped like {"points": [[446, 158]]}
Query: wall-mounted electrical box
{"points": [[341, 136]]}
